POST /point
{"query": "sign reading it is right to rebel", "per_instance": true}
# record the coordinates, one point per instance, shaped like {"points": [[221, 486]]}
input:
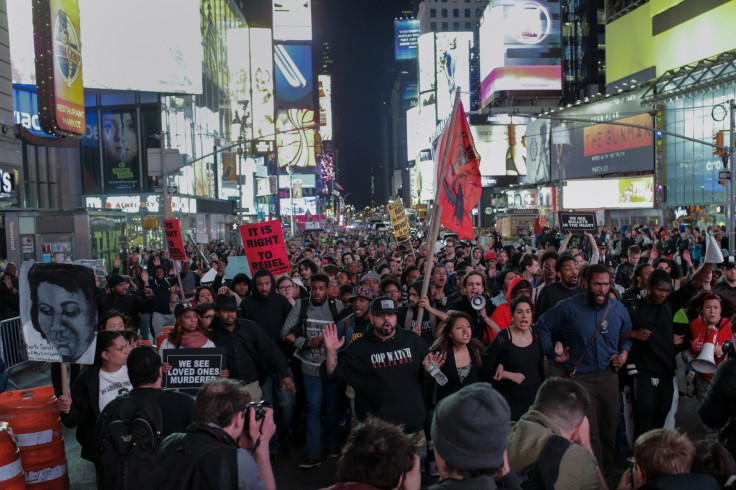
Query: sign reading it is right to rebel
{"points": [[399, 221], [578, 222], [264, 246], [174, 241]]}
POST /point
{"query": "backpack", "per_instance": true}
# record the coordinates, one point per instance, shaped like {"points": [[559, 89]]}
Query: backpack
{"points": [[543, 474], [304, 306], [129, 432]]}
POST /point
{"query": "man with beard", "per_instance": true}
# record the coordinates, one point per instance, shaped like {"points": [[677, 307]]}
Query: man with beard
{"points": [[385, 367], [567, 286], [119, 298], [269, 310], [251, 354], [590, 325]]}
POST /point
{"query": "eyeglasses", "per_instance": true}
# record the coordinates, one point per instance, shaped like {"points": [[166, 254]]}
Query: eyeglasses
{"points": [[284, 288], [208, 317], [391, 291]]}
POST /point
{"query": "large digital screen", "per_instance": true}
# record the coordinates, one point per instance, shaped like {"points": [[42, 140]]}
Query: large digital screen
{"points": [[537, 151], [238, 61], [501, 148], [589, 150], [25, 110], [520, 48], [426, 64], [609, 193], [301, 206], [293, 75], [295, 131], [292, 20], [452, 68], [409, 94], [261, 69], [421, 123], [406, 34], [131, 45], [325, 107]]}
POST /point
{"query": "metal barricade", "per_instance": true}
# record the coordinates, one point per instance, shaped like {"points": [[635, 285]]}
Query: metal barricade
{"points": [[12, 345]]}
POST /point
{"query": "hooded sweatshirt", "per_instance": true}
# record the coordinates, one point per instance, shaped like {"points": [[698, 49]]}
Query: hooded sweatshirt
{"points": [[502, 315], [526, 440], [269, 312]]}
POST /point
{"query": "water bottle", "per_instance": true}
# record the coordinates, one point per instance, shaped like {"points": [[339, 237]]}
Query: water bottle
{"points": [[438, 375]]}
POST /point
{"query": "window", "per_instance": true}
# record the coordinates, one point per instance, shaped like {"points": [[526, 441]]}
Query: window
{"points": [[444, 12], [433, 26], [468, 27], [467, 13], [444, 26], [456, 13], [456, 26], [433, 13]]}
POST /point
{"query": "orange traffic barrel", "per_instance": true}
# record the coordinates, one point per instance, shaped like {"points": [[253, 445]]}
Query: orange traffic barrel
{"points": [[162, 336], [34, 418], [11, 468]]}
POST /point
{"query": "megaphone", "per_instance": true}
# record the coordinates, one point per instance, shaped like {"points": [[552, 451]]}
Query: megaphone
{"points": [[706, 363], [478, 302]]}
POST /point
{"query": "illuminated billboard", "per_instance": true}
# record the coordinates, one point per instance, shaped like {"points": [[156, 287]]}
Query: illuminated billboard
{"points": [[609, 193], [325, 107], [261, 69], [163, 56], [406, 34], [601, 149], [25, 110], [295, 135], [501, 148], [409, 94], [426, 64], [238, 61], [537, 151], [452, 69], [520, 48], [420, 126], [301, 206], [292, 20], [293, 75]]}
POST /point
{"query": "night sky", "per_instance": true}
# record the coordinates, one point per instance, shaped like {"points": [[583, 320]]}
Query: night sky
{"points": [[360, 34]]}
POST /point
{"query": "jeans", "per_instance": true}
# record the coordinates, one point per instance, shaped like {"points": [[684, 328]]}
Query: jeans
{"points": [[283, 405], [316, 390], [145, 327]]}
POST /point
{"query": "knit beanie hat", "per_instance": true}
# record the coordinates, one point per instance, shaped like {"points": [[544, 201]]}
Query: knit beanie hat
{"points": [[470, 427], [114, 280]]}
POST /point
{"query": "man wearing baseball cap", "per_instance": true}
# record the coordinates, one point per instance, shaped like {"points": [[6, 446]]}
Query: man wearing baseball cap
{"points": [[385, 367], [356, 323], [726, 286]]}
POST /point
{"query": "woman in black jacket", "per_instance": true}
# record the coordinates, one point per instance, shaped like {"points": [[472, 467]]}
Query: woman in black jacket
{"points": [[96, 385], [461, 351]]}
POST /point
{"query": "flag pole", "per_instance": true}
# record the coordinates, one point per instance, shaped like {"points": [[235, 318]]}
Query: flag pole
{"points": [[434, 228]]}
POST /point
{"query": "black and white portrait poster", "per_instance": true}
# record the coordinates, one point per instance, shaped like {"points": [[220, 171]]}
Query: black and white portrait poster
{"points": [[59, 312]]}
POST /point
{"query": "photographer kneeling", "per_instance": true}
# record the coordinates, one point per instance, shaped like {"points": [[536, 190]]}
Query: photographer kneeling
{"points": [[718, 409]]}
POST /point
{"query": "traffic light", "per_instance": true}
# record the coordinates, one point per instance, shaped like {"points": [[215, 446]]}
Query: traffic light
{"points": [[718, 140]]}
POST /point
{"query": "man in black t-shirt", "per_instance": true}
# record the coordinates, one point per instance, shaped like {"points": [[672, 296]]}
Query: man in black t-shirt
{"points": [[566, 287]]}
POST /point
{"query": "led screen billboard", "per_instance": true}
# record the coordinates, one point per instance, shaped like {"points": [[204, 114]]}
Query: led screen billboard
{"points": [[123, 48], [452, 69], [293, 75], [520, 48], [409, 94], [501, 149], [261, 69], [25, 110], [301, 206], [609, 193], [426, 63], [537, 151], [325, 107], [406, 34], [589, 150], [238, 61], [295, 131], [420, 126], [292, 20]]}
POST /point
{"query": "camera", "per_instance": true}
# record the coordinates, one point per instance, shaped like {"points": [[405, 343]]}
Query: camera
{"points": [[729, 350], [258, 408]]}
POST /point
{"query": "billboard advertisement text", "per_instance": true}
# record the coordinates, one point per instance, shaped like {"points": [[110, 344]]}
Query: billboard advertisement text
{"points": [[406, 34]]}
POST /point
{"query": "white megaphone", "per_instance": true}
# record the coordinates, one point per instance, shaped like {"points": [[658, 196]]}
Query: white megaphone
{"points": [[705, 362]]}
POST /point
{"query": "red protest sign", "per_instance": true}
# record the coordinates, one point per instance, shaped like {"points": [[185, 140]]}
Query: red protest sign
{"points": [[264, 247], [173, 239]]}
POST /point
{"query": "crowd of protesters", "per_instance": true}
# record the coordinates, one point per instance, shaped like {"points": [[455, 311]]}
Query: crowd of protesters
{"points": [[459, 374]]}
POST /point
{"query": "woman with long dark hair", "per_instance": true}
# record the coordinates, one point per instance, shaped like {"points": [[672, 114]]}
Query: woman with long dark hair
{"points": [[187, 332]]}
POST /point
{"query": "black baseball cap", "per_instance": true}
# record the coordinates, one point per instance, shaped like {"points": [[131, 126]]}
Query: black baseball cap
{"points": [[729, 262], [384, 304]]}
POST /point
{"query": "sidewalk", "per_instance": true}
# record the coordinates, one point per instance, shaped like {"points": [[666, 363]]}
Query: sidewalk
{"points": [[81, 472]]}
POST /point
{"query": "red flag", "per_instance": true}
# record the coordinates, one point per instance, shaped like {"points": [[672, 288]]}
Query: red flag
{"points": [[460, 186]]}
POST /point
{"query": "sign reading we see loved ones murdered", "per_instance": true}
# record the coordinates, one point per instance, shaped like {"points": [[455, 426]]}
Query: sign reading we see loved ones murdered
{"points": [[191, 368], [264, 247]]}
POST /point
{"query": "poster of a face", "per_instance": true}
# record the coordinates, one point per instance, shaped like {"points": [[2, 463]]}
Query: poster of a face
{"points": [[538, 151], [119, 134], [58, 312]]}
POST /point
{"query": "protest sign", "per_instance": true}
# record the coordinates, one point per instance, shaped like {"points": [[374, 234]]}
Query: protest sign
{"points": [[399, 221], [174, 241], [58, 309], [97, 265], [191, 368], [264, 246], [235, 265], [578, 222]]}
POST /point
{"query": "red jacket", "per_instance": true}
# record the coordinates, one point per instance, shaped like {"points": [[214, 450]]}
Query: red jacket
{"points": [[699, 330]]}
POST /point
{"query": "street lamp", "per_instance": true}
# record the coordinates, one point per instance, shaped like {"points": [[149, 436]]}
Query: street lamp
{"points": [[241, 124]]}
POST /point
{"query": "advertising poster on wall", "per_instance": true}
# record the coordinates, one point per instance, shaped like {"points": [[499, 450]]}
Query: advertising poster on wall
{"points": [[501, 148], [589, 150], [625, 193], [521, 48], [292, 20], [452, 51], [262, 103], [537, 151], [325, 107], [406, 34], [293, 75], [426, 64], [295, 132]]}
